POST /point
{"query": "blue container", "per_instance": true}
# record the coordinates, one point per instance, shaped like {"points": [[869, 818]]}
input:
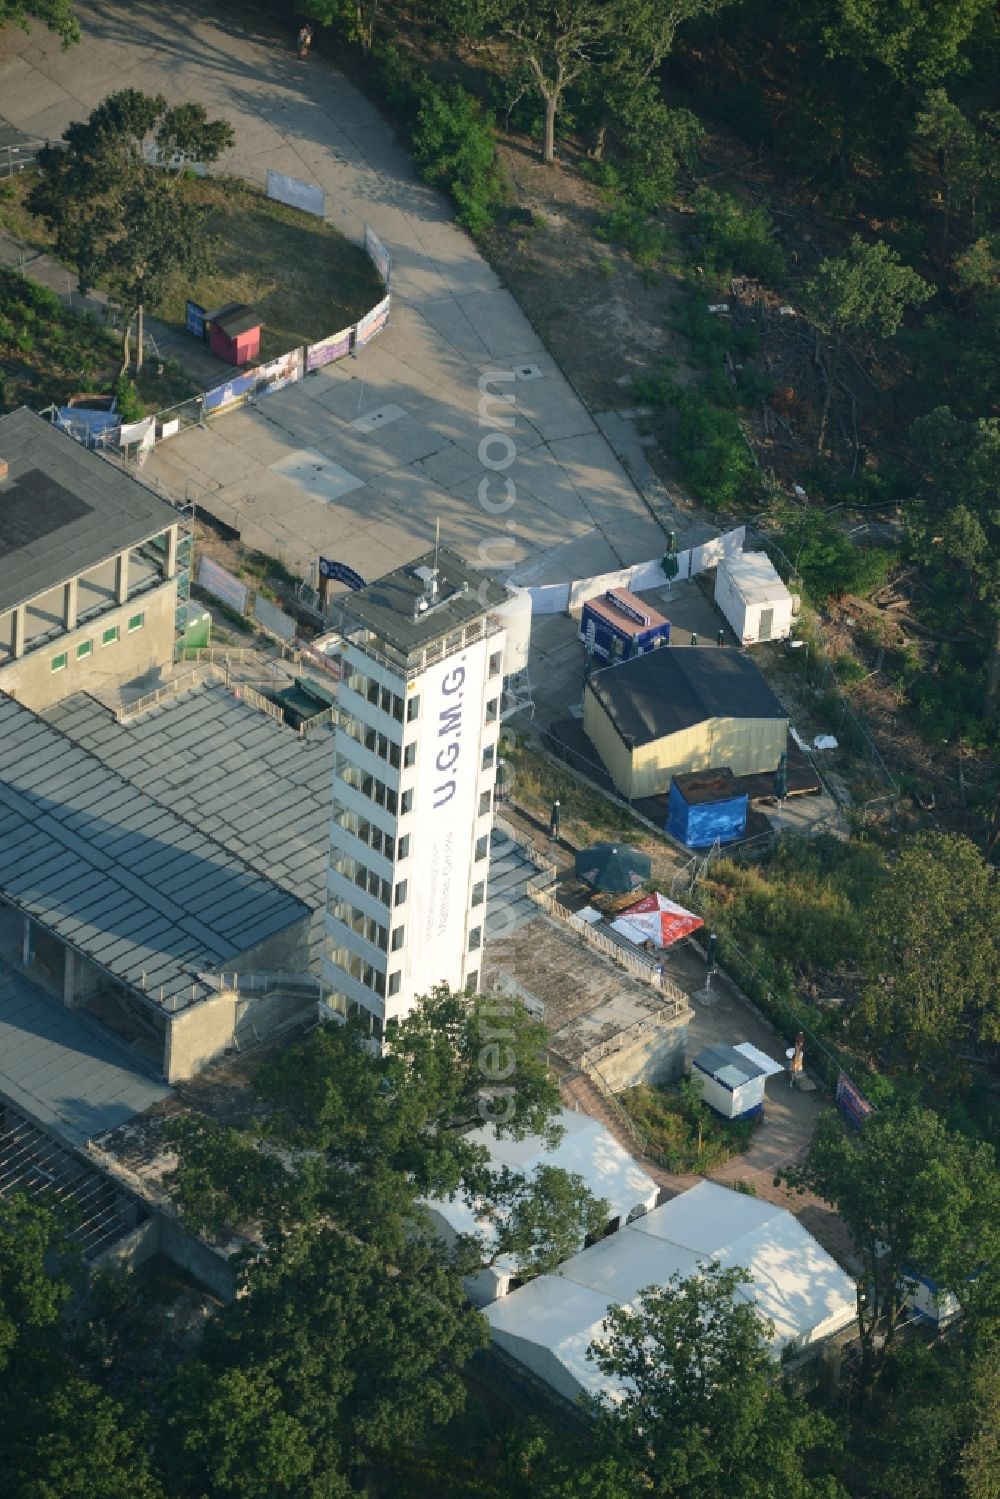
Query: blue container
{"points": [[619, 626], [706, 807]]}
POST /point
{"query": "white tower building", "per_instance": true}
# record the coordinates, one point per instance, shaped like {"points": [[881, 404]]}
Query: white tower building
{"points": [[417, 723]]}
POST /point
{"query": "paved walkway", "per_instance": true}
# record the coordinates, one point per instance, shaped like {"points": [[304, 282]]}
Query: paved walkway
{"points": [[301, 475]]}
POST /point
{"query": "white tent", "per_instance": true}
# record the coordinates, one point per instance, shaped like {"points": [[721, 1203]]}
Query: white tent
{"points": [[549, 1324], [586, 1149]]}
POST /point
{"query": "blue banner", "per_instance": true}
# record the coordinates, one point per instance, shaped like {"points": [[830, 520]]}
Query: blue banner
{"points": [[339, 572], [233, 393], [195, 320]]}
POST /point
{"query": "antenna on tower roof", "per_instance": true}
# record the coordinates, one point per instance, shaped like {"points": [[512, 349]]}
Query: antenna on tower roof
{"points": [[437, 544]]}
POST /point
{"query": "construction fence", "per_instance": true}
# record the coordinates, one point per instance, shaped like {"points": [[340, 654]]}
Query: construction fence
{"points": [[565, 598], [245, 387]]}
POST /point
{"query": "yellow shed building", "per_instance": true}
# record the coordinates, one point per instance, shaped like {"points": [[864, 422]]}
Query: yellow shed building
{"points": [[682, 708]]}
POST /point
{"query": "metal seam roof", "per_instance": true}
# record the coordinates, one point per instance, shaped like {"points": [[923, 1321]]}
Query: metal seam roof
{"points": [[73, 837]]}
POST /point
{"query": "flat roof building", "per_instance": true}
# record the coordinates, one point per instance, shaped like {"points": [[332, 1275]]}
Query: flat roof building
{"points": [[418, 718], [682, 709], [93, 565], [120, 897]]}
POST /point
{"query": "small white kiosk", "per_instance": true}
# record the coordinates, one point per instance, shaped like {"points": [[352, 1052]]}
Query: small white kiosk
{"points": [[732, 1078], [753, 598]]}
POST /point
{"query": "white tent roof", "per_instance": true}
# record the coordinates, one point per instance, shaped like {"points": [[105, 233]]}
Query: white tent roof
{"points": [[586, 1149], [793, 1281]]}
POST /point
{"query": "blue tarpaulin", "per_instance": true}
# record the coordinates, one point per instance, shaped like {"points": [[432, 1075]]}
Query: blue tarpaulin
{"points": [[696, 817]]}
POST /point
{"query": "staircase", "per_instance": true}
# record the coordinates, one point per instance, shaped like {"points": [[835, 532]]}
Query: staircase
{"points": [[508, 905]]}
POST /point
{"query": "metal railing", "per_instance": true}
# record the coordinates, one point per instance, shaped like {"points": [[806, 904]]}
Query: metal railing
{"points": [[183, 683], [635, 965], [257, 700]]}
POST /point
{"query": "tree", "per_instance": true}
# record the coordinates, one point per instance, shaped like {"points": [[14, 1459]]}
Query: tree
{"points": [[556, 41], [862, 294], [30, 1298], [57, 15], [932, 955], [920, 41], [539, 1220], [952, 137], [362, 1137], [917, 1199], [340, 1356], [117, 218], [697, 1410], [61, 1438], [955, 526]]}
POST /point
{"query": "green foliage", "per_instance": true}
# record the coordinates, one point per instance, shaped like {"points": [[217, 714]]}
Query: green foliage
{"points": [[917, 1200], [682, 1133], [117, 219], [737, 236], [699, 1412], [29, 1298], [57, 15], [537, 1221], [806, 906], [130, 407], [921, 40], [331, 1358], [866, 291], [713, 453], [454, 146], [829, 563], [932, 953], [849, 669]]}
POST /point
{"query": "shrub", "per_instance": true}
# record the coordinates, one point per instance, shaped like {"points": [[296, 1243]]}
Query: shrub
{"points": [[737, 236], [828, 562], [130, 407], [849, 668], [454, 147], [713, 454]]}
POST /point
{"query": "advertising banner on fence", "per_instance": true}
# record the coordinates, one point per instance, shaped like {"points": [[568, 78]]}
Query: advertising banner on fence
{"points": [[851, 1102], [339, 572], [233, 393], [372, 323], [329, 349], [279, 372], [379, 255], [273, 619], [215, 580], [296, 193]]}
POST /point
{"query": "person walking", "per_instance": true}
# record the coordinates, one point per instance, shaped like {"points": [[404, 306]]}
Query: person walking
{"points": [[305, 39]]}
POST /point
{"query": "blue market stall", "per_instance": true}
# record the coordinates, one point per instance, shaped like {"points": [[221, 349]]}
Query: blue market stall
{"points": [[620, 626], [706, 806]]}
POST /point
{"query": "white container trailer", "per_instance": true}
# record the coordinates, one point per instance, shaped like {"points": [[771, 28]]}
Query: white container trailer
{"points": [[753, 598]]}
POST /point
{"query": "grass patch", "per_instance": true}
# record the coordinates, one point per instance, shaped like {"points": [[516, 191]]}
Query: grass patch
{"points": [[303, 277], [682, 1132]]}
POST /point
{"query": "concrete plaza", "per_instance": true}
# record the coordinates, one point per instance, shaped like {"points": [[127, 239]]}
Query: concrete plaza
{"points": [[359, 461]]}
